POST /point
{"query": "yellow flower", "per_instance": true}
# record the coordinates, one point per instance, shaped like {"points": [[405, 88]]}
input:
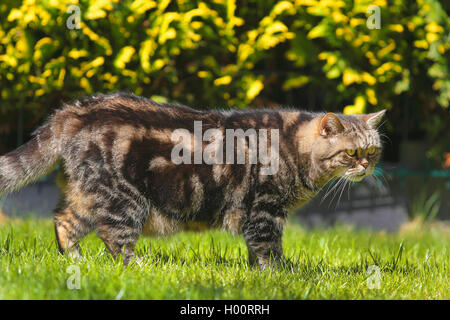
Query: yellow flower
{"points": [[339, 32], [222, 81], [434, 27], [254, 89], [75, 54], [124, 56], [431, 37], [203, 74], [322, 55], [396, 27], [350, 76], [421, 44], [339, 17], [356, 22], [371, 96], [367, 77], [357, 108]]}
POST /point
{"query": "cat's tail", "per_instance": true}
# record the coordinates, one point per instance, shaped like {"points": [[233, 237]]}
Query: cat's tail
{"points": [[31, 161]]}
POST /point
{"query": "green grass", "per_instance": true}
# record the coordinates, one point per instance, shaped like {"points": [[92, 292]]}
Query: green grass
{"points": [[327, 264]]}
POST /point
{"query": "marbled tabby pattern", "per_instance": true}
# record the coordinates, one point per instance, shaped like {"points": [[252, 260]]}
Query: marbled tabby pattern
{"points": [[115, 150]]}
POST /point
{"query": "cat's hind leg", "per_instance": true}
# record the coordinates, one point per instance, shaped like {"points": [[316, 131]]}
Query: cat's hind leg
{"points": [[70, 228], [119, 225]]}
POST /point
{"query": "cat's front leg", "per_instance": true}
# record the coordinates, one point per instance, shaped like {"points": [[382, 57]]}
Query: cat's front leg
{"points": [[262, 232]]}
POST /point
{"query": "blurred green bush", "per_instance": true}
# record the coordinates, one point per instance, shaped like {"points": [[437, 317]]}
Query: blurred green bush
{"points": [[230, 53]]}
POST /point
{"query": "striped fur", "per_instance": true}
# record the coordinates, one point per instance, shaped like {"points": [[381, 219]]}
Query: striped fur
{"points": [[115, 150]]}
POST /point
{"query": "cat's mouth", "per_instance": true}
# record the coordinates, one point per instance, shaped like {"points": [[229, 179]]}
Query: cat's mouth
{"points": [[356, 177]]}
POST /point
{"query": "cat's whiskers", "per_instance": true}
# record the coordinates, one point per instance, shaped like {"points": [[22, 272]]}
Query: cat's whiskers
{"points": [[340, 194], [381, 124], [383, 137], [379, 172], [348, 192], [330, 183], [340, 183], [380, 184], [332, 186]]}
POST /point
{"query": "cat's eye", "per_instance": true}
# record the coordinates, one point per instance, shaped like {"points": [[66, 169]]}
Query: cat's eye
{"points": [[351, 152], [371, 150]]}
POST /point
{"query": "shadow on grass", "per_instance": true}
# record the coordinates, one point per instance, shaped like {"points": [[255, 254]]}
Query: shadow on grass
{"points": [[298, 264]]}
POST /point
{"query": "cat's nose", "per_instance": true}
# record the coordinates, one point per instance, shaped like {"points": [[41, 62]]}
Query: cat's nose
{"points": [[364, 163]]}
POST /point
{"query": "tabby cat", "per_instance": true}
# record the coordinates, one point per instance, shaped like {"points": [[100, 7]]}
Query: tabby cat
{"points": [[117, 154]]}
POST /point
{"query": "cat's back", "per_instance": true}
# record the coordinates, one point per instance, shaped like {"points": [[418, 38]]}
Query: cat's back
{"points": [[122, 108], [122, 115]]}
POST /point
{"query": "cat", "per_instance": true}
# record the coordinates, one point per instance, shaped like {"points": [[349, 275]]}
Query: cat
{"points": [[117, 152]]}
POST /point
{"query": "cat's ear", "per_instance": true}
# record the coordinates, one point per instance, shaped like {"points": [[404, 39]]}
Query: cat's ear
{"points": [[330, 125], [373, 119]]}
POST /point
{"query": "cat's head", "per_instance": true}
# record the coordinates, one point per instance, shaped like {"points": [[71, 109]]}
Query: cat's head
{"points": [[347, 146]]}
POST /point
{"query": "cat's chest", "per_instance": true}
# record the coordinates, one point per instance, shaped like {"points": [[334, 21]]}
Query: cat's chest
{"points": [[299, 195]]}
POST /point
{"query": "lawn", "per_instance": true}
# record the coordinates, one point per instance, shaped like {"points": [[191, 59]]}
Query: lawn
{"points": [[326, 264]]}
